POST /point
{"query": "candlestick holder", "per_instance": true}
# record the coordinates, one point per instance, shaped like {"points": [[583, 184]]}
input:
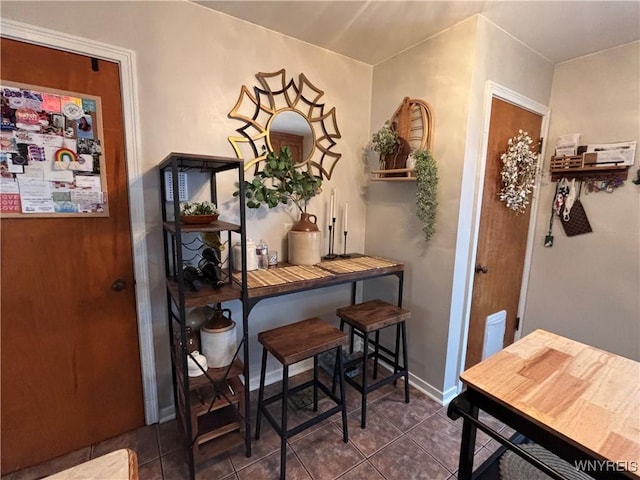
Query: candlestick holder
{"points": [[345, 254], [332, 229]]}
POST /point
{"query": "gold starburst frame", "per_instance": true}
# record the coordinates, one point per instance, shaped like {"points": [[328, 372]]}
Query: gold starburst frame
{"points": [[274, 95]]}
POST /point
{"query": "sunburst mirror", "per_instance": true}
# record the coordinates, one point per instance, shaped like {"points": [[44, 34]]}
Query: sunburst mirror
{"points": [[283, 112]]}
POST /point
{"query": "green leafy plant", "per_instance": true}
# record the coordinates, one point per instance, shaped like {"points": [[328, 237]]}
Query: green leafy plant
{"points": [[198, 208], [385, 140], [280, 182], [427, 190]]}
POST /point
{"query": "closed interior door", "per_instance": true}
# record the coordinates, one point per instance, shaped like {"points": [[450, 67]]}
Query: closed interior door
{"points": [[502, 238], [70, 356]]}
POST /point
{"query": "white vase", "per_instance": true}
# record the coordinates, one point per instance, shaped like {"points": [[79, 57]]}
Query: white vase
{"points": [[411, 163], [304, 241], [304, 248]]}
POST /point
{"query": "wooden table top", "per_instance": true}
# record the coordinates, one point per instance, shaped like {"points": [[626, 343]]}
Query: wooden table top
{"points": [[118, 465], [289, 278], [586, 395]]}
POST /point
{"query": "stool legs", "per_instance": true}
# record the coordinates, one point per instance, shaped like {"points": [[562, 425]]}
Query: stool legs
{"points": [[282, 429], [396, 357], [377, 355], [405, 362], [399, 369], [315, 383], [345, 430], [283, 437], [261, 392], [365, 356]]}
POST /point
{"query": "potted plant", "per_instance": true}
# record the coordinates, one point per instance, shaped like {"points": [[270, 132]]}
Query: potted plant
{"points": [[393, 149], [281, 183], [385, 141], [426, 172], [198, 212]]}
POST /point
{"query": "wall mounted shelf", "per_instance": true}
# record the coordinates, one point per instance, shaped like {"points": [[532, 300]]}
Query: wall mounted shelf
{"points": [[399, 175], [583, 167]]}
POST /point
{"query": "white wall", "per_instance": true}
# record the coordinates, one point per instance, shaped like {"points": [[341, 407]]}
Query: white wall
{"points": [[438, 71], [450, 72], [587, 287], [507, 62], [191, 64]]}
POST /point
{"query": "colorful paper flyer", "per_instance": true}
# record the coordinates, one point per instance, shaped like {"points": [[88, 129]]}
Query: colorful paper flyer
{"points": [[88, 105], [51, 102]]}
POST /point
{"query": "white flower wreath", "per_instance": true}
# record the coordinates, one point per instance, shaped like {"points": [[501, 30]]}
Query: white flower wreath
{"points": [[518, 172]]}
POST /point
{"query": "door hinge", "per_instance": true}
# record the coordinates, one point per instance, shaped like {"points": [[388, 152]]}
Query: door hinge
{"points": [[540, 142], [517, 323]]}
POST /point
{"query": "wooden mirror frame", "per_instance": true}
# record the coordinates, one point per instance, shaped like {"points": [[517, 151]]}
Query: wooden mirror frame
{"points": [[274, 95]]}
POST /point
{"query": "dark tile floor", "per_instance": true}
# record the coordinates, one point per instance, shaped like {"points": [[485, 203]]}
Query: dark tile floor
{"points": [[401, 441]]}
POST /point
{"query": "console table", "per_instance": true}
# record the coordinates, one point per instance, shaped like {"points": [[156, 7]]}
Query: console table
{"points": [[579, 402]]}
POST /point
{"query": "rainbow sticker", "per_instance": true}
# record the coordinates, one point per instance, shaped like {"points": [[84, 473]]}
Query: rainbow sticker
{"points": [[62, 158]]}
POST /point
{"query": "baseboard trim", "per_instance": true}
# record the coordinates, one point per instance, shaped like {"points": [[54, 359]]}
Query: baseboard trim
{"points": [[166, 414], [276, 375], [443, 398]]}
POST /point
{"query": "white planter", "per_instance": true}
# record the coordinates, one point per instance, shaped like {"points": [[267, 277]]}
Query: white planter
{"points": [[192, 364], [219, 345], [304, 248]]}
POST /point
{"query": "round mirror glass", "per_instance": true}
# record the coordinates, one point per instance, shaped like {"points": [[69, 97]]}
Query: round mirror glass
{"points": [[292, 129]]}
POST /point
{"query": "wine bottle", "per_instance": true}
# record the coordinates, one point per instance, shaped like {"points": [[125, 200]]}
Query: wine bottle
{"points": [[192, 278], [210, 272], [211, 255]]}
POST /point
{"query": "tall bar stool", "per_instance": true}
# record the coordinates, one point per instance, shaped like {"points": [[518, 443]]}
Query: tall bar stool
{"points": [[373, 316], [291, 344]]}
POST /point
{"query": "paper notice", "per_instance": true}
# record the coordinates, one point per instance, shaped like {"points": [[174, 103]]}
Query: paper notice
{"points": [[567, 144], [35, 195], [622, 153], [88, 182]]}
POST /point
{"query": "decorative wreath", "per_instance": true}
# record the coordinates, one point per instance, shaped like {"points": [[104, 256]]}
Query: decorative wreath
{"points": [[518, 172]]}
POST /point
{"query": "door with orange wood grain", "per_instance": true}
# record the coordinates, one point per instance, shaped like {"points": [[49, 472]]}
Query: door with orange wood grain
{"points": [[502, 238], [70, 357]]}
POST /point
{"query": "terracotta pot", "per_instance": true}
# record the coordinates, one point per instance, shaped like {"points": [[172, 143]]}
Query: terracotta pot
{"points": [[304, 241]]}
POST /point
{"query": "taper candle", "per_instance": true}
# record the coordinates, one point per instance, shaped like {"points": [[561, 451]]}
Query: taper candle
{"points": [[332, 210], [345, 220]]}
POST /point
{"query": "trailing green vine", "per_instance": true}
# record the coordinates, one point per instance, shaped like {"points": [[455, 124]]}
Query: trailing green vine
{"points": [[427, 190]]}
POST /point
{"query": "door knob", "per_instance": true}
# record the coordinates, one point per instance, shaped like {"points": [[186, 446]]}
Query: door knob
{"points": [[481, 269], [118, 285]]}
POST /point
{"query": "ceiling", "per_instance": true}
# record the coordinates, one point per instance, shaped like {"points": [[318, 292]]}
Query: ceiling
{"points": [[372, 31]]}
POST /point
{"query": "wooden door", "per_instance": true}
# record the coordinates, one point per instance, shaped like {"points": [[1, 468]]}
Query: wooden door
{"points": [[502, 238], [70, 357], [294, 142]]}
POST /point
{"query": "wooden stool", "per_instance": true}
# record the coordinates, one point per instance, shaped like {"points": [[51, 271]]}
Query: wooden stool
{"points": [[373, 316], [290, 344]]}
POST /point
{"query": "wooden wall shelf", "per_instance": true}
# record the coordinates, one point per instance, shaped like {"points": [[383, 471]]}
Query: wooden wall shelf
{"points": [[583, 167], [405, 175]]}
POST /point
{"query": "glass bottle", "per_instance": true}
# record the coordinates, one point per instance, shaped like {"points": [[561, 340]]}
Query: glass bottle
{"points": [[193, 340], [262, 252]]}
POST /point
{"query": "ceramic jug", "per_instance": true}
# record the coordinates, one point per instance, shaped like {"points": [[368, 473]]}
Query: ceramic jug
{"points": [[218, 337], [304, 241], [307, 223]]}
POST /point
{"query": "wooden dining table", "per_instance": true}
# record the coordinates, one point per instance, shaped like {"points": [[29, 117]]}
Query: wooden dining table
{"points": [[118, 465], [579, 402]]}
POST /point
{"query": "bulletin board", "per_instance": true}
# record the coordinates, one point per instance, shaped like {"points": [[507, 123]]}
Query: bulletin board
{"points": [[51, 153]]}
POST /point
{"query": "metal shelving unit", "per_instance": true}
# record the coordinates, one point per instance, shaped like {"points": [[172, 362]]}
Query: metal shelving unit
{"points": [[213, 409]]}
